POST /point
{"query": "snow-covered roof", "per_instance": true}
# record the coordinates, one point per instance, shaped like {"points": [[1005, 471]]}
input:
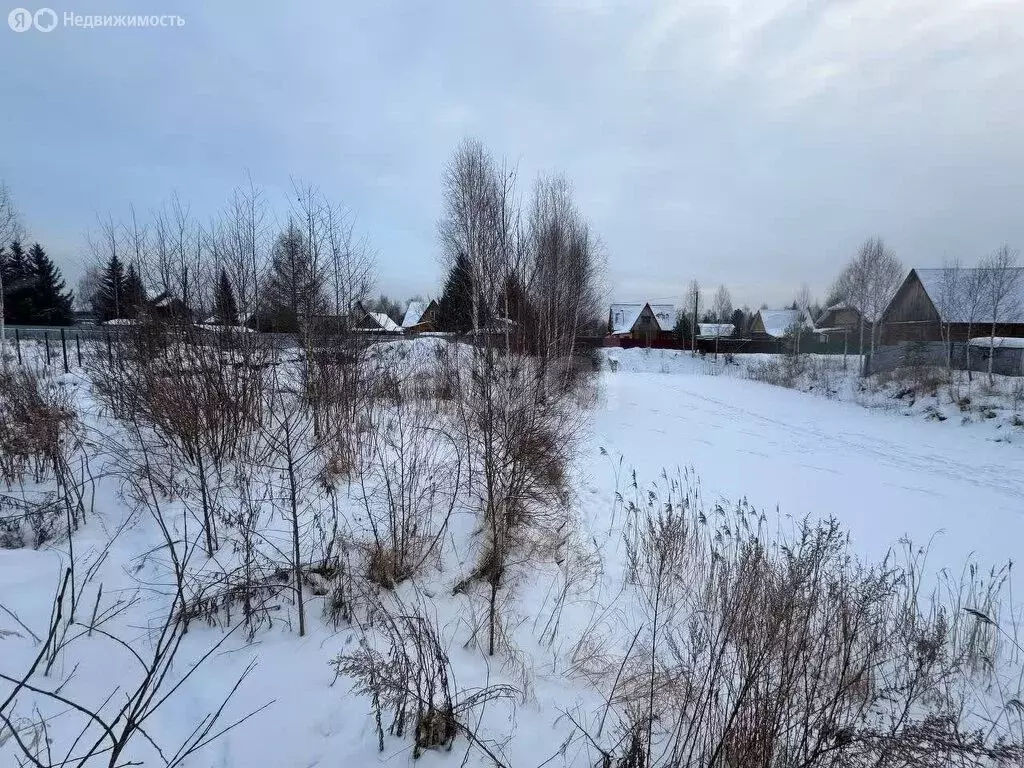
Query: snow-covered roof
{"points": [[840, 307], [777, 321], [715, 330], [215, 326], [1007, 342], [624, 316], [385, 322], [413, 313], [959, 304], [121, 321]]}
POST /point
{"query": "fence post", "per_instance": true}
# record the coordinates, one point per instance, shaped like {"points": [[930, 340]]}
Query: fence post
{"points": [[78, 348], [64, 350], [110, 350], [17, 344], [46, 340]]}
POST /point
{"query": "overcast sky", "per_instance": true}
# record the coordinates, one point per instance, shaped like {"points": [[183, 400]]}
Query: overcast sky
{"points": [[754, 144]]}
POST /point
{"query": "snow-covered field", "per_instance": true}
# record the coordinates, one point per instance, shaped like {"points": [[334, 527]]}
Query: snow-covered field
{"points": [[883, 475]]}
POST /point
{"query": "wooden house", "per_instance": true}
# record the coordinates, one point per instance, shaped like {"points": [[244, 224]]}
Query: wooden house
{"points": [[642, 321], [374, 322], [840, 323], [933, 302], [775, 323], [420, 317], [167, 307]]}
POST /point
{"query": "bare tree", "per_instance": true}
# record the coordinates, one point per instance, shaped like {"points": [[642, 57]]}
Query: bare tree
{"points": [[973, 300], [722, 310], [563, 270], [10, 229], [243, 246], [693, 304], [803, 301], [868, 283], [349, 262], [949, 304], [478, 222], [293, 448], [1001, 289]]}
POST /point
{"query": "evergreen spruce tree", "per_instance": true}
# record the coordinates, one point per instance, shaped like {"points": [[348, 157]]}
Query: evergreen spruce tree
{"points": [[295, 286], [133, 293], [109, 301], [683, 328], [739, 323], [224, 305], [455, 309], [18, 285], [51, 303]]}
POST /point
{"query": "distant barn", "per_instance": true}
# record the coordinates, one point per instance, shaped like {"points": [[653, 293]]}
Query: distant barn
{"points": [[929, 299]]}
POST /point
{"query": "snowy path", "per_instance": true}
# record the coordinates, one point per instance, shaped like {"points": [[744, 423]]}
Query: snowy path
{"points": [[883, 475]]}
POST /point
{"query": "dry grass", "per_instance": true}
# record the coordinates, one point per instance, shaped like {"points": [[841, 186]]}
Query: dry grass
{"points": [[36, 419], [760, 647]]}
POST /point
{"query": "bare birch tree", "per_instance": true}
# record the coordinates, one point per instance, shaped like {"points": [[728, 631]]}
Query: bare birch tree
{"points": [[240, 241], [563, 268], [868, 283], [1001, 290], [803, 301], [949, 304], [723, 311], [973, 303]]}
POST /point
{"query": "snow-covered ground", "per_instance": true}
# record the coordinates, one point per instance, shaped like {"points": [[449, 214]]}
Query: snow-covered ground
{"points": [[883, 475]]}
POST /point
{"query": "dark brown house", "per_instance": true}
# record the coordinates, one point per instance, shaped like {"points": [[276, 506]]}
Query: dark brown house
{"points": [[420, 317], [933, 302], [167, 307], [838, 317], [841, 322], [642, 322]]}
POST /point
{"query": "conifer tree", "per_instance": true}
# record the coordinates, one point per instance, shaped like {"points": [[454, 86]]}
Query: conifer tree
{"points": [[18, 285], [295, 286], [225, 306], [51, 303], [109, 301], [134, 293], [455, 309]]}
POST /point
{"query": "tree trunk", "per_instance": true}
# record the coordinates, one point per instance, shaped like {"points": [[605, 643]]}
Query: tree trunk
{"points": [[295, 550], [207, 517], [860, 348], [3, 330], [991, 353]]}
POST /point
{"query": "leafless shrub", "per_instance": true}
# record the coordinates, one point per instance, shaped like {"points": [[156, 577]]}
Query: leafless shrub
{"points": [[518, 436], [338, 386], [782, 371], [198, 405], [112, 734], [410, 684], [36, 421]]}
